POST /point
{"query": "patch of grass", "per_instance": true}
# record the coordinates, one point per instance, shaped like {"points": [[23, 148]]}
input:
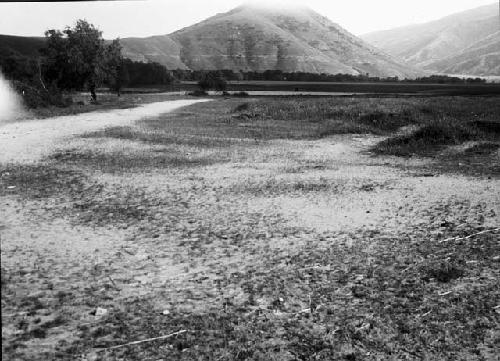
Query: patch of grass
{"points": [[479, 160], [371, 299], [90, 202], [241, 107], [118, 162], [312, 118], [107, 101], [39, 181], [485, 148], [125, 206], [273, 187], [488, 126], [157, 137], [443, 270], [384, 121], [427, 140]]}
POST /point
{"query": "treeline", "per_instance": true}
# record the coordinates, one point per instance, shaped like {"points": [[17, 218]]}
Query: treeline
{"points": [[23, 68], [27, 69], [136, 73], [278, 75], [76, 58]]}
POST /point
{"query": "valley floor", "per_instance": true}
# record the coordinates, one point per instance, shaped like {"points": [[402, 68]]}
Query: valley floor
{"points": [[120, 229]]}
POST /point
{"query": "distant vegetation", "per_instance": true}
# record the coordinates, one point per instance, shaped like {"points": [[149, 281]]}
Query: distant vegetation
{"points": [[138, 73], [278, 75], [76, 58], [212, 80]]}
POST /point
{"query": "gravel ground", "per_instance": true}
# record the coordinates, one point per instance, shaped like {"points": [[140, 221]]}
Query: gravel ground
{"points": [[92, 238]]}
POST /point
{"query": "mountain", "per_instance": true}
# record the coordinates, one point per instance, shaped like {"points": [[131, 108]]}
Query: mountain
{"points": [[253, 38], [259, 38], [482, 59], [463, 43], [160, 49], [21, 45]]}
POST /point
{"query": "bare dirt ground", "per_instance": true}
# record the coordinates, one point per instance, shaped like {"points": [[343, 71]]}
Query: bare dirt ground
{"points": [[160, 242], [29, 140]]}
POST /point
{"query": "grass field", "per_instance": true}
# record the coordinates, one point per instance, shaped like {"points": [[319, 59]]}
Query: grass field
{"points": [[261, 229]]}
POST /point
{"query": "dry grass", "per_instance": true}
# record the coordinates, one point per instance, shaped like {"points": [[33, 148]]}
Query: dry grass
{"points": [[106, 101]]}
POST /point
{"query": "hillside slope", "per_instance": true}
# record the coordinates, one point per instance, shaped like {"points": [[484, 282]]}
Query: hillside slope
{"points": [[254, 38], [21, 45], [482, 59], [447, 44], [261, 38], [160, 49]]}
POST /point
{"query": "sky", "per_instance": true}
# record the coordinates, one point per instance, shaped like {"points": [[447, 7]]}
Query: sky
{"points": [[140, 18]]}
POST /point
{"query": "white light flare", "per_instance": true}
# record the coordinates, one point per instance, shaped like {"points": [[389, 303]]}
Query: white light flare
{"points": [[10, 103]]}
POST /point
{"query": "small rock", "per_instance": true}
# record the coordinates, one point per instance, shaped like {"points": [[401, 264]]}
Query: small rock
{"points": [[359, 278], [37, 295], [100, 312]]}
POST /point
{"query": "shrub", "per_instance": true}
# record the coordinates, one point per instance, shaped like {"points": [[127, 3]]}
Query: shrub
{"points": [[426, 139], [212, 81], [35, 96], [198, 93], [442, 271], [386, 121], [242, 107]]}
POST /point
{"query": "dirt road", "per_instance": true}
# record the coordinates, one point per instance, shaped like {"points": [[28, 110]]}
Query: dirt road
{"points": [[28, 141]]}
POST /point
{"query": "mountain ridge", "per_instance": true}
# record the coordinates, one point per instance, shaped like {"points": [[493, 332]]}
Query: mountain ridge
{"points": [[256, 38], [437, 45]]}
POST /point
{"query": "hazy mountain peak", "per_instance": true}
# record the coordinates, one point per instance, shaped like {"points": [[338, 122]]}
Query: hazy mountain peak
{"points": [[270, 35], [274, 5]]}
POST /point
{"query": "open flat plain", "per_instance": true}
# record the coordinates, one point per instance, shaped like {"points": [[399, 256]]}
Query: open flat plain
{"points": [[254, 229]]}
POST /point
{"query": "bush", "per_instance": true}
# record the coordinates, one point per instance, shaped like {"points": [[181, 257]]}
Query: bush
{"points": [[35, 96], [443, 271], [212, 81], [386, 121], [242, 107], [198, 93], [426, 140]]}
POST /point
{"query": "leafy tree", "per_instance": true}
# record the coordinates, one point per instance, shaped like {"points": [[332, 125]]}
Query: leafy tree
{"points": [[117, 74], [120, 79], [19, 67], [78, 57]]}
